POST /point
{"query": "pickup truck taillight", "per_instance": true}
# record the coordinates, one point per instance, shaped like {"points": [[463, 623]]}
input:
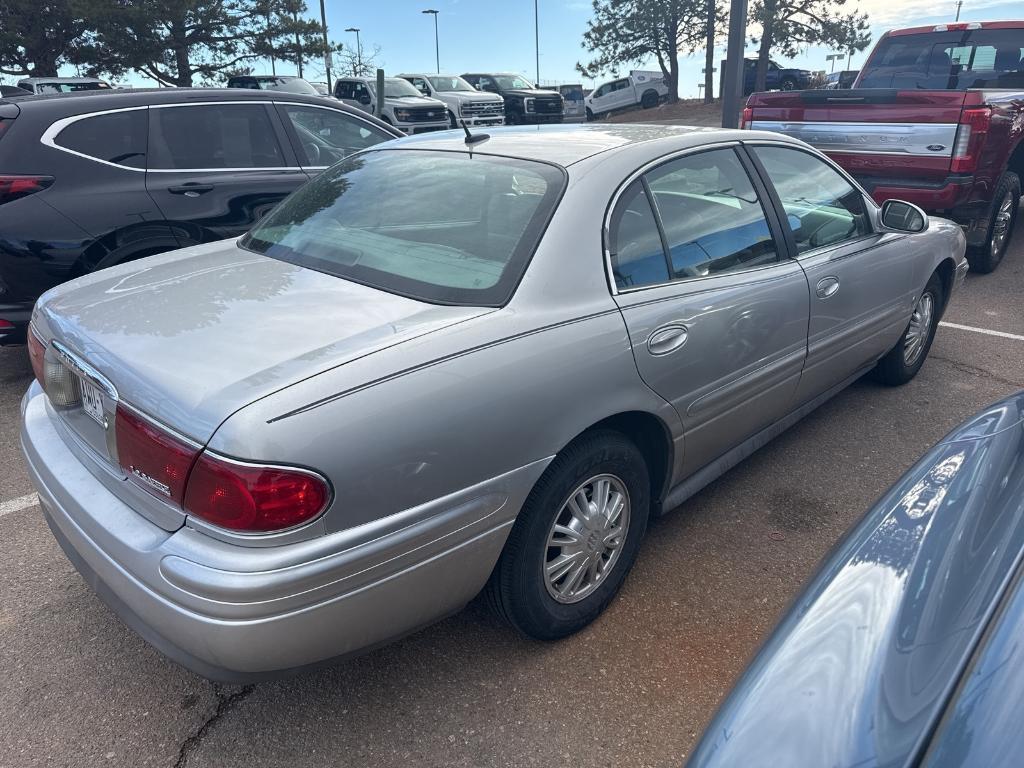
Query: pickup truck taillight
{"points": [[240, 496], [970, 137], [747, 117]]}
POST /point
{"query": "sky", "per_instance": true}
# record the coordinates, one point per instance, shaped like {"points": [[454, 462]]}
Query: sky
{"points": [[498, 35]]}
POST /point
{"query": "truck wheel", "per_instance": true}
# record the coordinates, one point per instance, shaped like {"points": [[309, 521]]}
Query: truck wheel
{"points": [[575, 538], [590, 115], [649, 99], [788, 84], [1005, 202]]}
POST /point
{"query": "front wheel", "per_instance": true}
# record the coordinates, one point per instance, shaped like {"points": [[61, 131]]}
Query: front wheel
{"points": [[590, 115], [904, 360], [1005, 203], [788, 84], [575, 539]]}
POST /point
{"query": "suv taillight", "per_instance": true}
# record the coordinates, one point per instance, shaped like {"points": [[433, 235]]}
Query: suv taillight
{"points": [[14, 187], [238, 496], [253, 498], [970, 136]]}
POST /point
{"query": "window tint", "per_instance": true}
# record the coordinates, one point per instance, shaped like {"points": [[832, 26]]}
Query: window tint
{"points": [[118, 137], [214, 136], [368, 220], [326, 136], [712, 218], [637, 255], [822, 207]]}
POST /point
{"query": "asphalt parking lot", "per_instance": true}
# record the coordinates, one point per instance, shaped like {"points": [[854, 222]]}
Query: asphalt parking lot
{"points": [[78, 688]]}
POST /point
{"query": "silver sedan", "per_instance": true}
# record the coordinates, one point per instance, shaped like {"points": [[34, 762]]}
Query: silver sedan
{"points": [[451, 365]]}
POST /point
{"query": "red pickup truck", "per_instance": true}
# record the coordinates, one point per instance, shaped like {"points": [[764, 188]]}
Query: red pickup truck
{"points": [[935, 117]]}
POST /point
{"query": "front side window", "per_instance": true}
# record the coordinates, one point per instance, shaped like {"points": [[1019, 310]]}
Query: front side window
{"points": [[711, 216], [822, 208], [326, 136], [213, 136], [368, 220], [116, 137]]}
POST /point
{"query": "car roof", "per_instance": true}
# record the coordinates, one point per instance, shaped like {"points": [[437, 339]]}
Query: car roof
{"points": [[570, 143], [92, 101]]}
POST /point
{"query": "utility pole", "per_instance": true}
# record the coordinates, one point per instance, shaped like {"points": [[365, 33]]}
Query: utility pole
{"points": [[536, 41], [327, 46], [437, 50], [732, 90], [359, 52]]}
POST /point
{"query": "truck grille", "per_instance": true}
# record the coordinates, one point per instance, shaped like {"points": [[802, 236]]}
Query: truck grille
{"points": [[424, 114], [548, 105], [483, 108]]}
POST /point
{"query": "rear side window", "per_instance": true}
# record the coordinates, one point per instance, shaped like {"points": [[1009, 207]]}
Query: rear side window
{"points": [[213, 136], [637, 255], [116, 137], [822, 208]]}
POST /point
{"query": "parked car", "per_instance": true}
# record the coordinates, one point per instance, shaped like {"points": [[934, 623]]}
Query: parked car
{"points": [[639, 88], [320, 87], [935, 117], [524, 104], [776, 78], [573, 107], [904, 649], [497, 383], [285, 83], [404, 107], [464, 103], [841, 80], [105, 177], [41, 85]]}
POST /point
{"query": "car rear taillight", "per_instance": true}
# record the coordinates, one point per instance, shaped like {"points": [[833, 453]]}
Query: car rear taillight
{"points": [[14, 187], [747, 117], [970, 136], [153, 458], [253, 498], [36, 354]]}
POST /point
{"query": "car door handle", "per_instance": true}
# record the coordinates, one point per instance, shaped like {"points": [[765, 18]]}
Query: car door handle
{"points": [[827, 287], [666, 339], [191, 189]]}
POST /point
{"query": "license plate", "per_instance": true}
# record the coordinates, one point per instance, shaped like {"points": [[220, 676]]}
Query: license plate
{"points": [[92, 401]]}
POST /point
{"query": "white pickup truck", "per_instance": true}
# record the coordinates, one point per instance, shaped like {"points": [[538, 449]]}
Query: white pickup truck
{"points": [[640, 87]]}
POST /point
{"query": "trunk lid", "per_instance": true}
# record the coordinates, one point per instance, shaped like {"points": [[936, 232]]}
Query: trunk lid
{"points": [[870, 131], [191, 336]]}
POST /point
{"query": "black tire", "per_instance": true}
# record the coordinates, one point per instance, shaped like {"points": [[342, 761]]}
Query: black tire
{"points": [[999, 228], [894, 369], [590, 115], [518, 589], [649, 99], [788, 84]]}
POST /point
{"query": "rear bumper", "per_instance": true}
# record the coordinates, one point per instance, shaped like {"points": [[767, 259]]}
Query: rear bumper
{"points": [[239, 614]]}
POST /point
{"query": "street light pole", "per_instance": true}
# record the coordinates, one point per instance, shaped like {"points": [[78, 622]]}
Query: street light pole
{"points": [[536, 41], [359, 52], [437, 50], [327, 48]]}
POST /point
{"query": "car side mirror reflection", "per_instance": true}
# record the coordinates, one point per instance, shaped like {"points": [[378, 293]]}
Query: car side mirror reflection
{"points": [[903, 217]]}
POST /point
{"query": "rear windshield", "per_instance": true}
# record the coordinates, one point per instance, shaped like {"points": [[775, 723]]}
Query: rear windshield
{"points": [[442, 227], [955, 60]]}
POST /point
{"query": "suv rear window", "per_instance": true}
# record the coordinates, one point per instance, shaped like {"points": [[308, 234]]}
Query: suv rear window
{"points": [[116, 137], [368, 220], [954, 60]]}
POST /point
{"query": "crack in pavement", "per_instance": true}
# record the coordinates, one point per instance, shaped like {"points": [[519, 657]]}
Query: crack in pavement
{"points": [[982, 372], [224, 705]]}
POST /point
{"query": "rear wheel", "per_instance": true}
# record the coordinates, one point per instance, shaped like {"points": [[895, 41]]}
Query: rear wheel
{"points": [[575, 539], [904, 360], [649, 99], [1005, 202], [788, 84]]}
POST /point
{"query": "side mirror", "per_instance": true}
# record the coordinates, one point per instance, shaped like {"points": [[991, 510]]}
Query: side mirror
{"points": [[364, 99], [901, 216]]}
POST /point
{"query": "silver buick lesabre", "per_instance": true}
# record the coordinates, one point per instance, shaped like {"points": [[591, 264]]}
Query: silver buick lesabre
{"points": [[448, 365]]}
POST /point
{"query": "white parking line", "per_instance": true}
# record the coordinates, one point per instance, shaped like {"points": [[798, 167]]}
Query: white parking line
{"points": [[986, 331], [15, 505]]}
